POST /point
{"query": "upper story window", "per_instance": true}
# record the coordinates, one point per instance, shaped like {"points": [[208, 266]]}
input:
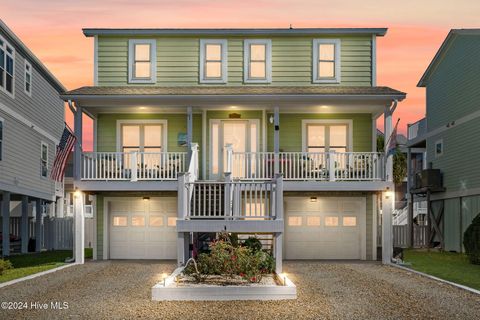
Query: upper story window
{"points": [[326, 61], [213, 61], [258, 61], [1, 139], [44, 160], [142, 64], [7, 54], [28, 78]]}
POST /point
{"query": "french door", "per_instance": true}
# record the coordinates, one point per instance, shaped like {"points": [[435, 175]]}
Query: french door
{"points": [[242, 135]]}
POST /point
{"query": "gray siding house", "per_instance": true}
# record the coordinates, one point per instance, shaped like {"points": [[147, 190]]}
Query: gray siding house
{"points": [[31, 123], [451, 133]]}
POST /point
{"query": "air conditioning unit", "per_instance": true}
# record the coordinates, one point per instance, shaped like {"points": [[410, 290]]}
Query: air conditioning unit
{"points": [[428, 178]]}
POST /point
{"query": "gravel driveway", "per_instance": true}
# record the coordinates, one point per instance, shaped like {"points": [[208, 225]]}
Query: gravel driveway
{"points": [[121, 289]]}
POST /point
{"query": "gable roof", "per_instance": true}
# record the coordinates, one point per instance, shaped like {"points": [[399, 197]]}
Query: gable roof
{"points": [[90, 32], [21, 47], [452, 35]]}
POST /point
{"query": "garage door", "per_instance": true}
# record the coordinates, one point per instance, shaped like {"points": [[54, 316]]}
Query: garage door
{"points": [[324, 228], [143, 229]]}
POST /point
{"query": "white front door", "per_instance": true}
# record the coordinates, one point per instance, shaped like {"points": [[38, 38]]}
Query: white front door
{"points": [[143, 229], [241, 134], [328, 228]]}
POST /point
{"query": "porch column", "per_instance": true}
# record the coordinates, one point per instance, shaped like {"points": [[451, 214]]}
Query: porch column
{"points": [[182, 208], [409, 200], [24, 225], [388, 195], [38, 225], [77, 159], [276, 139], [79, 240], [189, 133], [5, 207], [279, 216]]}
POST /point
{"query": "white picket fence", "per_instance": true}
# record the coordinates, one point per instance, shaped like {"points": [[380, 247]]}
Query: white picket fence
{"points": [[57, 233]]}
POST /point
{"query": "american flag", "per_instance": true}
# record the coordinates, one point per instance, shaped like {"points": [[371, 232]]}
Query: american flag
{"points": [[63, 150], [392, 141]]}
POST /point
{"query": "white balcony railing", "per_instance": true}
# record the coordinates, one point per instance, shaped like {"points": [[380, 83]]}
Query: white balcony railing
{"points": [[317, 166], [132, 166]]}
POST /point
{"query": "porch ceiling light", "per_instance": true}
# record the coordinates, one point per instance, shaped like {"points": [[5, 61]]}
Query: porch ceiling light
{"points": [[233, 107]]}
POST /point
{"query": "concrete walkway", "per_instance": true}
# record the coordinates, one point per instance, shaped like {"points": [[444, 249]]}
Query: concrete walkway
{"points": [[121, 289]]}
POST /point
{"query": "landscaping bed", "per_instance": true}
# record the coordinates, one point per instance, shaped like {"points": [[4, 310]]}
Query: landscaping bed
{"points": [[454, 267]]}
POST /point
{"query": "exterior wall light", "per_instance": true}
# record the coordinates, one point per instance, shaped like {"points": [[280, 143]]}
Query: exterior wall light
{"points": [[146, 198], [313, 199]]}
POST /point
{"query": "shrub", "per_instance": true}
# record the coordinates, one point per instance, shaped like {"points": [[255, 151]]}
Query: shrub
{"points": [[253, 243], [471, 241], [5, 265]]}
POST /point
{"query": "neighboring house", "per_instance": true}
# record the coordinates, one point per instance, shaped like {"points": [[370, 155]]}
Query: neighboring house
{"points": [[233, 109], [31, 123], [450, 133]]}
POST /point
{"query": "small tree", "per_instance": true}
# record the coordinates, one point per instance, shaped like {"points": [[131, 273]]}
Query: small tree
{"points": [[471, 241]]}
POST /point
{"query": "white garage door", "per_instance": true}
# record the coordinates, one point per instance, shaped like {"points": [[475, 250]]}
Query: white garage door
{"points": [[143, 229], [328, 228]]}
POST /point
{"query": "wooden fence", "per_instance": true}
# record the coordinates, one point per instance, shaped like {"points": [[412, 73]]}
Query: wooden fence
{"points": [[400, 236]]}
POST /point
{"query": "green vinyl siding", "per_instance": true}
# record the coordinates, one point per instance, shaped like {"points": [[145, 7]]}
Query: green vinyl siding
{"points": [[291, 130], [178, 60]]}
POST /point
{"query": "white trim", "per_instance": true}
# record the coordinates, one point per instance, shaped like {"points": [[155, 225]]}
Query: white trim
{"points": [[374, 226], [13, 56], [28, 93], [95, 60], [264, 130], [153, 60], [42, 143], [224, 46], [438, 155], [36, 275], [163, 122], [268, 60], [95, 236], [28, 123], [106, 228], [374, 60], [337, 78], [204, 143], [348, 122], [460, 286]]}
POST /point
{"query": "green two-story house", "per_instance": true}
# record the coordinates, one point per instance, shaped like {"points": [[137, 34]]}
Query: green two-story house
{"points": [[256, 131]]}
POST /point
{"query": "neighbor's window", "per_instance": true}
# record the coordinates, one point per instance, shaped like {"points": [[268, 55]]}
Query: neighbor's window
{"points": [[6, 67], [142, 61], [1, 139], [258, 61], [28, 78], [120, 221], [326, 61], [439, 148], [213, 61], [44, 160], [331, 221]]}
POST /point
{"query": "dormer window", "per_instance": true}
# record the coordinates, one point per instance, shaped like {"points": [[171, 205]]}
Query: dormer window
{"points": [[326, 61], [142, 61], [257, 61], [213, 61]]}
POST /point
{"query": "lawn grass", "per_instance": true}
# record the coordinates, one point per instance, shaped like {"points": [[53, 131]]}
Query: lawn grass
{"points": [[27, 264], [450, 266]]}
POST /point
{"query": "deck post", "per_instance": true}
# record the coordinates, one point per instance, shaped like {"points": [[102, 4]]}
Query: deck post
{"points": [[182, 208], [276, 139], [24, 224], [79, 228], [388, 195], [278, 216], [189, 133], [5, 207], [77, 159], [229, 150], [38, 225], [410, 240], [228, 195]]}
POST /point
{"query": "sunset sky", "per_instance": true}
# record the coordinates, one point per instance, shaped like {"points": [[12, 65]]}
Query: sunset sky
{"points": [[52, 30]]}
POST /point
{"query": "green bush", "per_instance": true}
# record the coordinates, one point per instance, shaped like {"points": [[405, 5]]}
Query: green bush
{"points": [[5, 265], [253, 243], [230, 261], [471, 241]]}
